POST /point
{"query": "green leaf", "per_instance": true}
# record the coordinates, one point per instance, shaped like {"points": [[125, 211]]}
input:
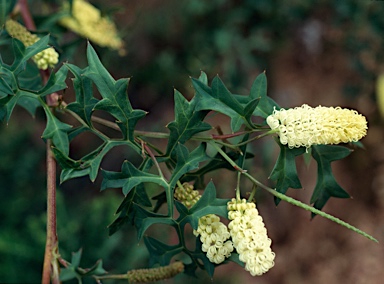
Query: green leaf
{"points": [[29, 103], [219, 99], [93, 160], [207, 204], [96, 269], [28, 99], [85, 102], [188, 122], [326, 185], [144, 219], [217, 162], [22, 53], [56, 82], [199, 260], [285, 172], [161, 253], [5, 112], [114, 93], [187, 162], [74, 271], [57, 131], [67, 174], [128, 178], [259, 90], [4, 86], [70, 272], [203, 78], [6, 7], [137, 195], [64, 161]]}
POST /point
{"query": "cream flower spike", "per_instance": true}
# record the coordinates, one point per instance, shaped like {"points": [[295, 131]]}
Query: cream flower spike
{"points": [[306, 126], [213, 234], [86, 21], [44, 59], [249, 237]]}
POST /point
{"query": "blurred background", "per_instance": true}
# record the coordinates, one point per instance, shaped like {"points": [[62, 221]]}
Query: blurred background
{"points": [[326, 53]]}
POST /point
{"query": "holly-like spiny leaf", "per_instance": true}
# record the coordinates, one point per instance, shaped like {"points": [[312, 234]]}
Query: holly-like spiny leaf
{"points": [[188, 122], [85, 102], [74, 271], [285, 172], [326, 185], [128, 178], [22, 53], [220, 99], [187, 162], [57, 131], [114, 93], [144, 219], [90, 163], [137, 195], [161, 253]]}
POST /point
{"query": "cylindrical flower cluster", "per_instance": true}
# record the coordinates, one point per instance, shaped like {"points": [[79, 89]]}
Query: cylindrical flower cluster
{"points": [[44, 59], [249, 237], [213, 234], [306, 126], [87, 21], [155, 274]]}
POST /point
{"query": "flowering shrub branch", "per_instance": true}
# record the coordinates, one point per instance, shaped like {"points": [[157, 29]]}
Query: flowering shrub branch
{"points": [[181, 167]]}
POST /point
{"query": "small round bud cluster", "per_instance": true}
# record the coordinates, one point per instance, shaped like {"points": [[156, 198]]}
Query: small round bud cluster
{"points": [[306, 126], [87, 21], [44, 59], [214, 235], [249, 237], [187, 195]]}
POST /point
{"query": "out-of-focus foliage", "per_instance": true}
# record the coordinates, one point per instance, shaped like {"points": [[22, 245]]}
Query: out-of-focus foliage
{"points": [[80, 210]]}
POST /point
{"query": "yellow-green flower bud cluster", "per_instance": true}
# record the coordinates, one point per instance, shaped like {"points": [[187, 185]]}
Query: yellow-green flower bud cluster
{"points": [[87, 21], [187, 195], [306, 126], [249, 237], [155, 274], [44, 59], [214, 235]]}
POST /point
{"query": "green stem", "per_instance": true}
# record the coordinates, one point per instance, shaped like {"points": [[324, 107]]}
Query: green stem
{"points": [[252, 193], [310, 208], [238, 197], [255, 138]]}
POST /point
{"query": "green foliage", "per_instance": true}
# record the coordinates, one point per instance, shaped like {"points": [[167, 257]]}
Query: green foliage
{"points": [[285, 172], [148, 181], [73, 270], [326, 185]]}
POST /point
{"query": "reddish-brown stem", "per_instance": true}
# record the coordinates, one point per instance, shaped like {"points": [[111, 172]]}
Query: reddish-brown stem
{"points": [[226, 136], [50, 266], [51, 247], [27, 17]]}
